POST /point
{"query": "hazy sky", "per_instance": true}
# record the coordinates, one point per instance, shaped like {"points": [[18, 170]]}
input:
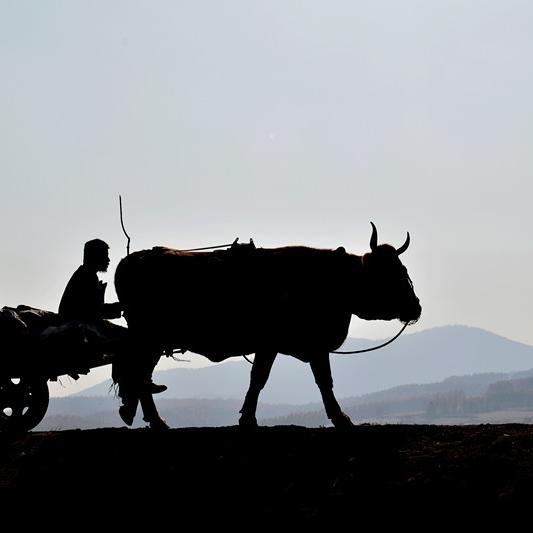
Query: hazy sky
{"points": [[292, 122]]}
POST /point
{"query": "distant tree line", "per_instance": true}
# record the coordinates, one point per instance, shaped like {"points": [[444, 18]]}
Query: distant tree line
{"points": [[500, 395]]}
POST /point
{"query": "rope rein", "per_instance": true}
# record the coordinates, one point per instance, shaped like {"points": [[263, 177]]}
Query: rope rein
{"points": [[360, 351], [375, 347]]}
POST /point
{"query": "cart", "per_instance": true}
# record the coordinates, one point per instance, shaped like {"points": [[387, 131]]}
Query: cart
{"points": [[36, 348]]}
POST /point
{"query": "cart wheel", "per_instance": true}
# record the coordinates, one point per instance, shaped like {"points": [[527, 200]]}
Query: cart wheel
{"points": [[23, 403]]}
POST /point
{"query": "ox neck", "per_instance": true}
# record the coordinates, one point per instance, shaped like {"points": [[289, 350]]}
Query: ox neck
{"points": [[359, 288]]}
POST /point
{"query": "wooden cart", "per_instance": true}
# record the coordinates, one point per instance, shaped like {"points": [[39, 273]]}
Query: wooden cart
{"points": [[29, 358]]}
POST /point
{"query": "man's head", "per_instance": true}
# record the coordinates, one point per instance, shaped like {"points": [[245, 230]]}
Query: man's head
{"points": [[96, 255]]}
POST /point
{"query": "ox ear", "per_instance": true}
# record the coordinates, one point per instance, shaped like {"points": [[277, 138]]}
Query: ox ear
{"points": [[374, 238], [404, 246]]}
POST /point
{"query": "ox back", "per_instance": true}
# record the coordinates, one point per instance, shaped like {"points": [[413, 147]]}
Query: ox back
{"points": [[220, 304]]}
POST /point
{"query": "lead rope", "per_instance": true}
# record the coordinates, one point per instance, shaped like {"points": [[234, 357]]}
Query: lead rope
{"points": [[375, 347], [360, 351]]}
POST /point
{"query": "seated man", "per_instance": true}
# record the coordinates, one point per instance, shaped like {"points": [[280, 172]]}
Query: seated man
{"points": [[83, 300]]}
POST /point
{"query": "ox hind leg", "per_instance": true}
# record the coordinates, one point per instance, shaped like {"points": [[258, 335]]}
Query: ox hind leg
{"points": [[322, 372], [259, 375]]}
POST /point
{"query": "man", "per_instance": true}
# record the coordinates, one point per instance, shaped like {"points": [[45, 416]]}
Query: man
{"points": [[83, 300]]}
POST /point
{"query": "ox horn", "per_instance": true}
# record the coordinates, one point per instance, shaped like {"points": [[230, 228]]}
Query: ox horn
{"points": [[404, 246], [374, 238]]}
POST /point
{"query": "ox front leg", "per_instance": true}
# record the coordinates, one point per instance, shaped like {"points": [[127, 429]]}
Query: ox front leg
{"points": [[259, 376], [322, 373]]}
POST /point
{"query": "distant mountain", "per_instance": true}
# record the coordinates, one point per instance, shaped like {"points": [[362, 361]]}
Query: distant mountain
{"points": [[470, 385], [425, 357]]}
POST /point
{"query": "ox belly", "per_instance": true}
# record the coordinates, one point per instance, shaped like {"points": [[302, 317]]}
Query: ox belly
{"points": [[221, 332]]}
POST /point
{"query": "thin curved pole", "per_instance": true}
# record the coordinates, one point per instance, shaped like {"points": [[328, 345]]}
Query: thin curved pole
{"points": [[122, 224]]}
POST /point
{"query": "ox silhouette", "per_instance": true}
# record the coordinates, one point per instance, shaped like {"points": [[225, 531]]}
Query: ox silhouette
{"points": [[293, 300]]}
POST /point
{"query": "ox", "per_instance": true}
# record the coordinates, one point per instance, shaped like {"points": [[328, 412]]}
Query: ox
{"points": [[293, 300]]}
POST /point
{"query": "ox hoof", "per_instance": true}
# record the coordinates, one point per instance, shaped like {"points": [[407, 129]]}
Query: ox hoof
{"points": [[248, 422], [342, 421]]}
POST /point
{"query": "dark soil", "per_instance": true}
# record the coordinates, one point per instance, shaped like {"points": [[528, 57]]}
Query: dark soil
{"points": [[310, 475]]}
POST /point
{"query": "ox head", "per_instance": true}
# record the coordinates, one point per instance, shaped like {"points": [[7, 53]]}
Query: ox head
{"points": [[387, 290]]}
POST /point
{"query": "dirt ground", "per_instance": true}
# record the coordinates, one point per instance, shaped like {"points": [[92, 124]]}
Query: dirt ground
{"points": [[311, 475]]}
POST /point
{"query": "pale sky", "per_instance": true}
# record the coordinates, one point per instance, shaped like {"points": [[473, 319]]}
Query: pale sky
{"points": [[292, 122]]}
